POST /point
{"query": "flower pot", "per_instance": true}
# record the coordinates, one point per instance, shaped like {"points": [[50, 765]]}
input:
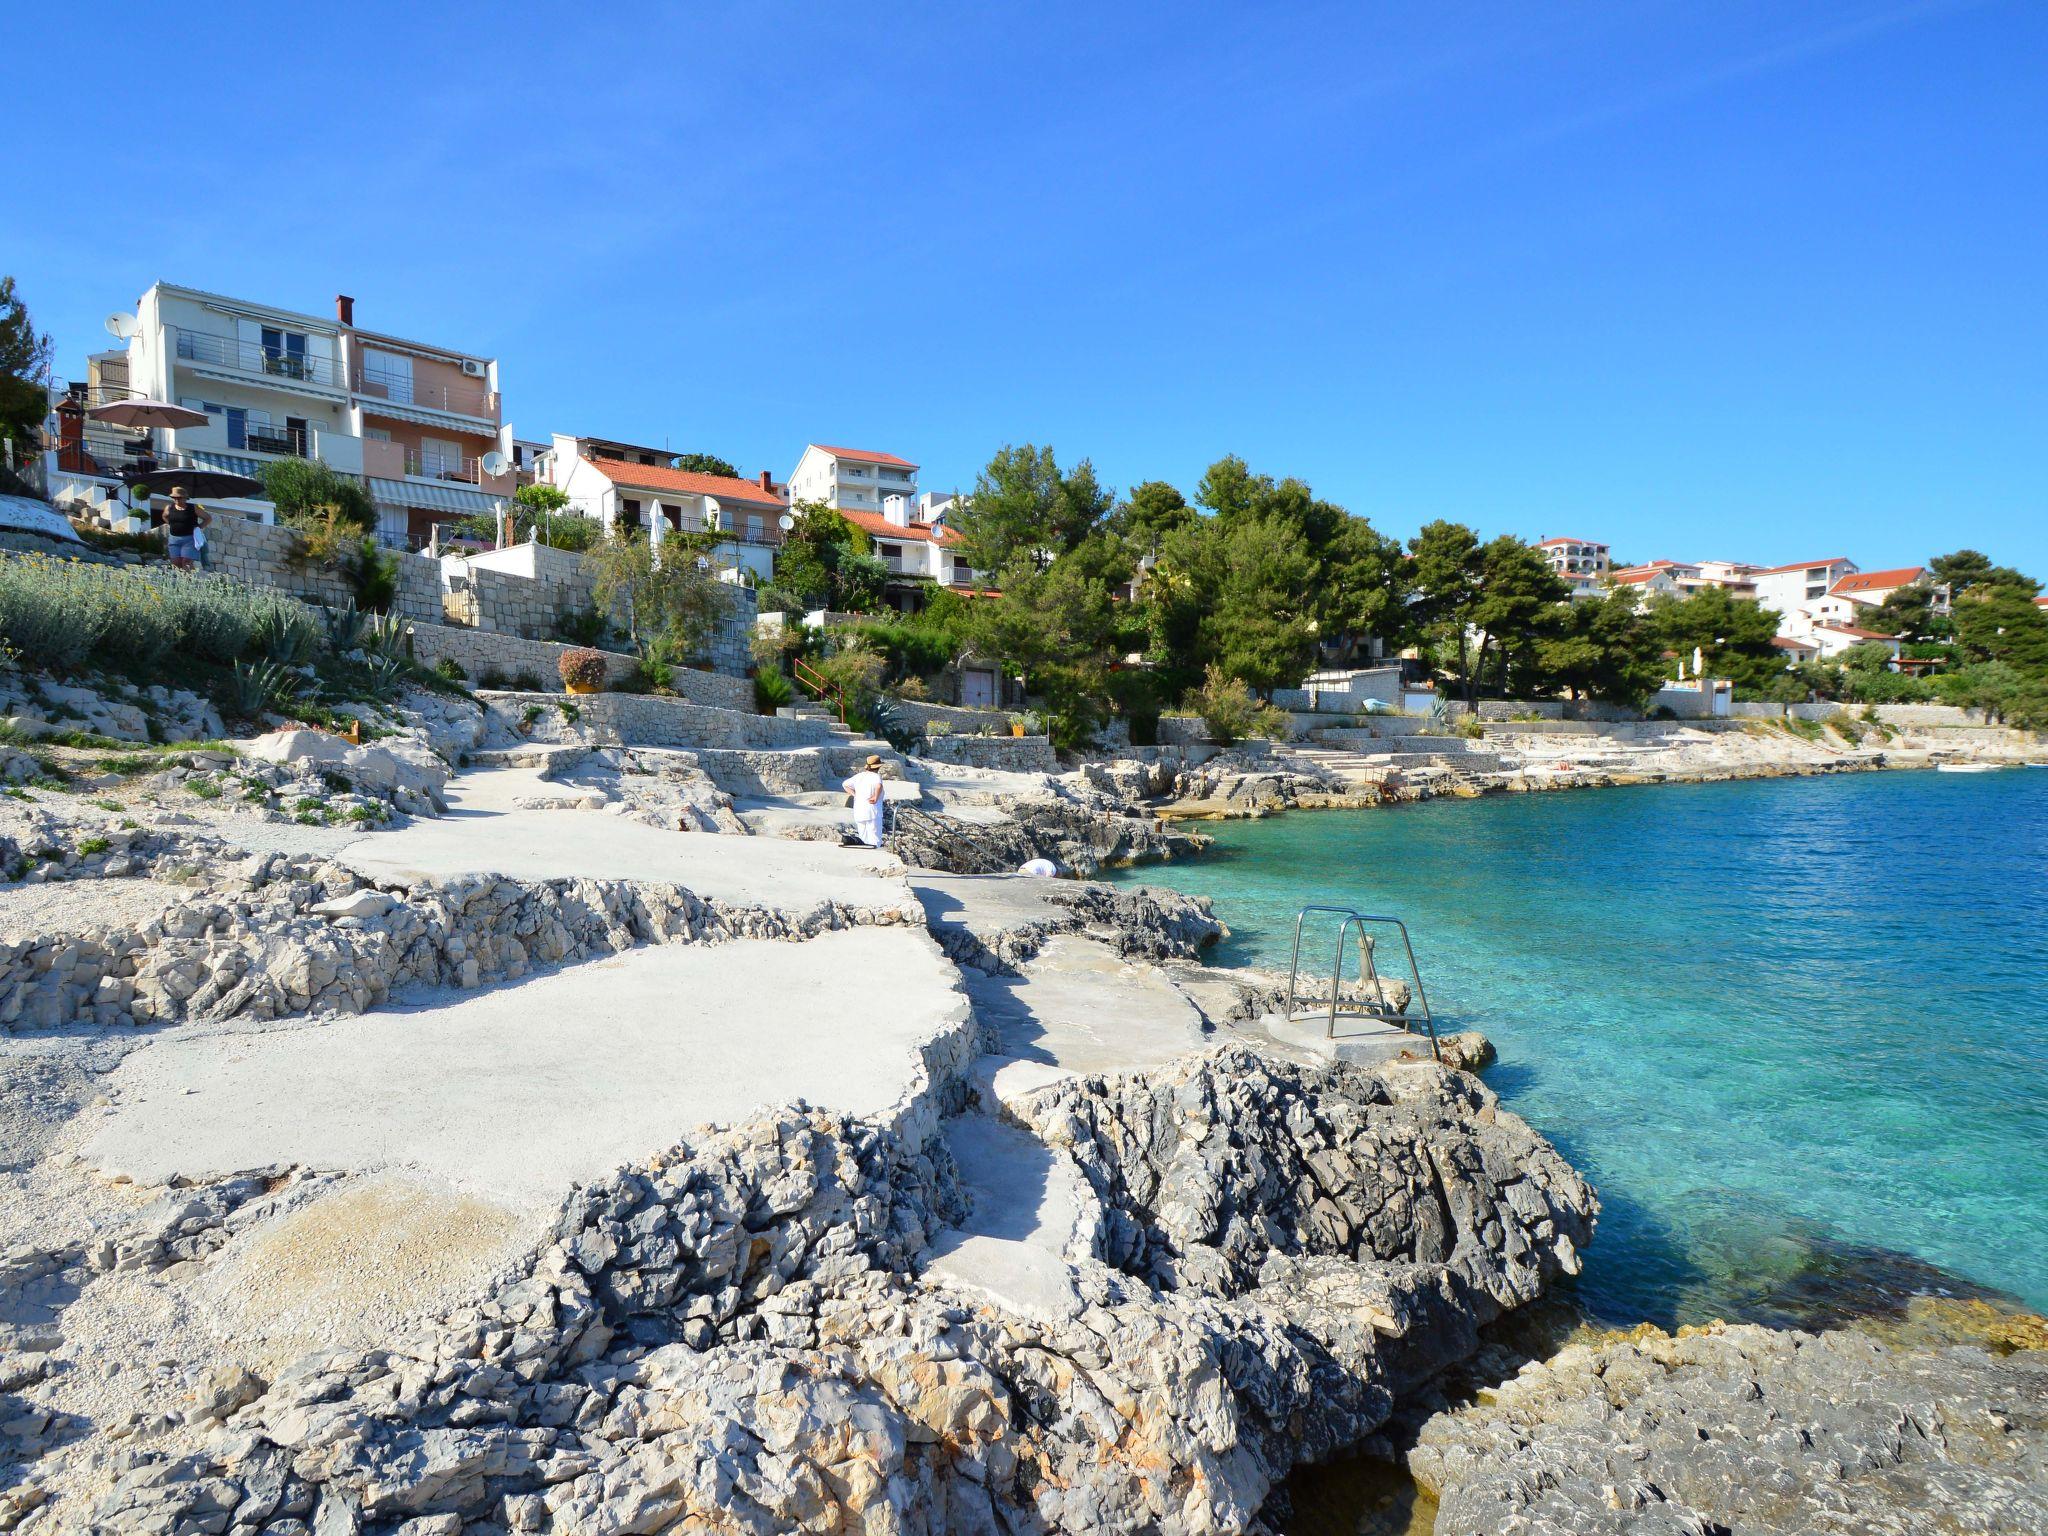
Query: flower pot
{"points": [[584, 687], [1016, 727]]}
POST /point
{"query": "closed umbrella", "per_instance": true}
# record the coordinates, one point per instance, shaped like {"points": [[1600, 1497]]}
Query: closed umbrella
{"points": [[146, 413], [198, 482]]}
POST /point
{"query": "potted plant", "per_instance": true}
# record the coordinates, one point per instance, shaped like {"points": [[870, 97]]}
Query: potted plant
{"points": [[1027, 724], [583, 670]]}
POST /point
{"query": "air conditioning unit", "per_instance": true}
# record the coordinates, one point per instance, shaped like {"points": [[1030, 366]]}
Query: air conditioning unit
{"points": [[472, 367]]}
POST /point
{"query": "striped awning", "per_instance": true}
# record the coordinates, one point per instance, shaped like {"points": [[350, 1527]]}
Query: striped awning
{"points": [[451, 421], [226, 463], [457, 499]]}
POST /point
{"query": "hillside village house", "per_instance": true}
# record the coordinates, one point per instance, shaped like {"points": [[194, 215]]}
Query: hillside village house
{"points": [[413, 420], [877, 493], [852, 480], [1580, 563], [1786, 589], [624, 485], [1852, 595]]}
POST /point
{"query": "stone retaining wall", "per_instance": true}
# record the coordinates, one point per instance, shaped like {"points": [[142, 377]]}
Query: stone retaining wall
{"points": [[960, 720], [480, 652], [648, 720], [261, 554], [1018, 754]]}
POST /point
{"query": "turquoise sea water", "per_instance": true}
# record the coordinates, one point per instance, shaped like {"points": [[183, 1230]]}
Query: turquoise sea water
{"points": [[1796, 1030]]}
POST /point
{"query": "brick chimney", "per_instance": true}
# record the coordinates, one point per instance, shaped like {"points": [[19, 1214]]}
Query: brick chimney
{"points": [[344, 309], [767, 482]]}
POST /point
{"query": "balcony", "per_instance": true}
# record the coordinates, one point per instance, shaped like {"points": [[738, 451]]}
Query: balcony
{"points": [[442, 466], [257, 361], [465, 398]]}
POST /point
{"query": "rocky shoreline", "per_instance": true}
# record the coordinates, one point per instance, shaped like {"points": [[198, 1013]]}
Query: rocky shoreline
{"points": [[1254, 780], [1083, 1248]]}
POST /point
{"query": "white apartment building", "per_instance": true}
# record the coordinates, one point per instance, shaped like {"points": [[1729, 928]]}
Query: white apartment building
{"points": [[414, 421], [1786, 589], [1580, 563], [623, 485], [851, 479]]}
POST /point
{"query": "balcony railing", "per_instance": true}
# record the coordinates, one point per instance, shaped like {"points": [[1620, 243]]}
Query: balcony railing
{"points": [[268, 437], [257, 360], [442, 466], [399, 388]]}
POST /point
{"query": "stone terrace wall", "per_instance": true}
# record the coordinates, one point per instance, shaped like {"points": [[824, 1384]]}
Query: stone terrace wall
{"points": [[651, 720], [260, 554], [962, 721], [1018, 754], [479, 652]]}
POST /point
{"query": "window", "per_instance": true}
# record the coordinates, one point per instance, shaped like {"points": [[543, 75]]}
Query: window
{"points": [[629, 512], [284, 352]]}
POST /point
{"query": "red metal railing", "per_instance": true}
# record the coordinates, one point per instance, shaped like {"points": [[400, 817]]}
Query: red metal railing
{"points": [[814, 682]]}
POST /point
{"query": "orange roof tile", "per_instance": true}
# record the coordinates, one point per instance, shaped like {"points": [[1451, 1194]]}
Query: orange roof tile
{"points": [[1867, 581], [685, 482], [879, 526], [863, 456]]}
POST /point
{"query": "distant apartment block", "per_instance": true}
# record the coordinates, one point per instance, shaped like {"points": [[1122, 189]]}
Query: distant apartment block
{"points": [[630, 486], [413, 420], [853, 480], [1785, 589], [1580, 563]]}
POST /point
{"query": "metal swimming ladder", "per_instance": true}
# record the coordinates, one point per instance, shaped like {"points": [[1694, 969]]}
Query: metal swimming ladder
{"points": [[1373, 1007]]}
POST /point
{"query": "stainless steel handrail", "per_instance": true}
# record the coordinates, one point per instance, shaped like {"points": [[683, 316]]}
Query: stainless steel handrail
{"points": [[1368, 972]]}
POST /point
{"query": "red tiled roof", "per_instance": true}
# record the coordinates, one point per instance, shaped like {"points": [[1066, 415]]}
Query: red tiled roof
{"points": [[1637, 576], [863, 456], [1546, 543], [1802, 565], [1789, 643], [1867, 581], [880, 527], [1851, 629], [685, 482]]}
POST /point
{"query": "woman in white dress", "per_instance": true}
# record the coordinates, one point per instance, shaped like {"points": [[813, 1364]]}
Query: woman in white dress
{"points": [[866, 789]]}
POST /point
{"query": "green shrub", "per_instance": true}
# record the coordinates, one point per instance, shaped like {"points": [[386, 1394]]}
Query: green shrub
{"points": [[772, 690], [372, 574], [306, 489], [451, 669], [62, 613], [205, 789], [1231, 713], [91, 846]]}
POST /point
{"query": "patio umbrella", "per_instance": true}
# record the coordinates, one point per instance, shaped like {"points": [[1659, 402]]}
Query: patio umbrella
{"points": [[146, 413], [198, 482]]}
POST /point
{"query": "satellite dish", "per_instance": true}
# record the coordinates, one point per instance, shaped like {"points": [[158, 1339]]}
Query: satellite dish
{"points": [[122, 326], [494, 463], [785, 522]]}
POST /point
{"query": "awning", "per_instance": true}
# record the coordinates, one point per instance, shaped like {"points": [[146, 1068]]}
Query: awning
{"points": [[327, 394], [226, 463], [433, 498], [452, 421]]}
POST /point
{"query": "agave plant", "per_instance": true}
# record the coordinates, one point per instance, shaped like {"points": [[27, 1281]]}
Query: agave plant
{"points": [[261, 685], [345, 627], [384, 633], [384, 678], [285, 633]]}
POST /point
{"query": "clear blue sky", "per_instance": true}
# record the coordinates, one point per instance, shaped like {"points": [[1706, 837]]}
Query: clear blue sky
{"points": [[1757, 281]]}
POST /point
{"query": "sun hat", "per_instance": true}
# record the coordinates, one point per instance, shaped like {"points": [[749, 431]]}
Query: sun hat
{"points": [[874, 760], [177, 490]]}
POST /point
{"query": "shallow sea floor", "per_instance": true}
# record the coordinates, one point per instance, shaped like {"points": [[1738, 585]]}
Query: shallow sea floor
{"points": [[1796, 1030]]}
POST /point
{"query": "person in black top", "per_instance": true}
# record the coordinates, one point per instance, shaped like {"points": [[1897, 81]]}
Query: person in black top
{"points": [[182, 520]]}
